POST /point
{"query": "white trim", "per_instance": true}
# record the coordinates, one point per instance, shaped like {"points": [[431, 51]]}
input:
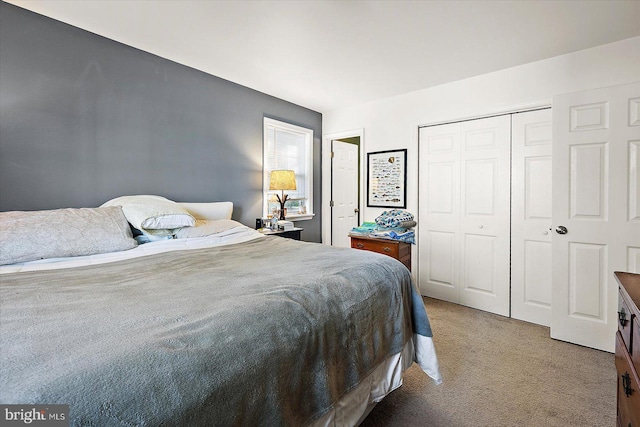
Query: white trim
{"points": [[299, 217], [326, 177], [518, 108], [308, 135]]}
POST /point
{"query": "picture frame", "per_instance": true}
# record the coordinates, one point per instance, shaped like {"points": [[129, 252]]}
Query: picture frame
{"points": [[387, 179]]}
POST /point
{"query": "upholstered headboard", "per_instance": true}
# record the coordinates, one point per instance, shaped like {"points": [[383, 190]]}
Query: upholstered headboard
{"points": [[210, 211]]}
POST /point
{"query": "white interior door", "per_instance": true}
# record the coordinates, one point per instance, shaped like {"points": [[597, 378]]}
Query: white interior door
{"points": [[439, 212], [464, 213], [344, 189], [596, 194], [531, 151]]}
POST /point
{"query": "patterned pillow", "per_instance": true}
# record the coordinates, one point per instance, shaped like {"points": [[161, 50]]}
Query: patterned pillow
{"points": [[32, 235]]}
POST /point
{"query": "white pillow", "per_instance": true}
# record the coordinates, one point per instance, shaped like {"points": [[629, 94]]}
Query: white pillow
{"points": [[153, 212], [205, 228]]}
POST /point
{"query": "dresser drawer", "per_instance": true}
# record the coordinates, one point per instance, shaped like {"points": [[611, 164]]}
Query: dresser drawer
{"points": [[625, 321], [628, 389], [395, 249], [389, 248]]}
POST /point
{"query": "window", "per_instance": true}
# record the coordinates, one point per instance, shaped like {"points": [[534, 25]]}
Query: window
{"points": [[287, 146]]}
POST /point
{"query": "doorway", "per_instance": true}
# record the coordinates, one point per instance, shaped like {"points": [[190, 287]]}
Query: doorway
{"points": [[342, 199]]}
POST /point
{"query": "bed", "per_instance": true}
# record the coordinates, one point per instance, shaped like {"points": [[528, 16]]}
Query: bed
{"points": [[211, 323]]}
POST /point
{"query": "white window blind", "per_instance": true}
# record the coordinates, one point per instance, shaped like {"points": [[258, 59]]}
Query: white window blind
{"points": [[287, 146]]}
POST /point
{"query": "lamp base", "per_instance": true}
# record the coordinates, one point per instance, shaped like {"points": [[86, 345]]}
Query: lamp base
{"points": [[282, 201]]}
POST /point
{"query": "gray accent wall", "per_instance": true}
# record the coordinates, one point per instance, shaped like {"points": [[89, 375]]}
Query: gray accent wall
{"points": [[84, 119]]}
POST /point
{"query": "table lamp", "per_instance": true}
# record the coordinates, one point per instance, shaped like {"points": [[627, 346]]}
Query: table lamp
{"points": [[282, 180]]}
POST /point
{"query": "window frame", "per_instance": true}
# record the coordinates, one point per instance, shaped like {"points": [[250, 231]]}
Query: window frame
{"points": [[308, 142]]}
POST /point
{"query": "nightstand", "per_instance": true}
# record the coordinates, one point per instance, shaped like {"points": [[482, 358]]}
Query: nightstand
{"points": [[293, 233], [394, 248]]}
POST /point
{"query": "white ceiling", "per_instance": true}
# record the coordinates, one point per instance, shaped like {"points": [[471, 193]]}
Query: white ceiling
{"points": [[326, 55]]}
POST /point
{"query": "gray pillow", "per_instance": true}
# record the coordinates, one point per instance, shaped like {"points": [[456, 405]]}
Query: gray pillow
{"points": [[32, 235]]}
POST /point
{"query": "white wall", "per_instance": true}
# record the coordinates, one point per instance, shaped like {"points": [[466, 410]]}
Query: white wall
{"points": [[392, 123]]}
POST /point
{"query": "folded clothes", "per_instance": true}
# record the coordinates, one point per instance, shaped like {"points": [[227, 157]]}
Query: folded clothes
{"points": [[400, 234], [395, 218], [407, 224], [364, 228], [383, 230]]}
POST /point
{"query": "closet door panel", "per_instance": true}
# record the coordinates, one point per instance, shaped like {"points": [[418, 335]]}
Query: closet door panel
{"points": [[634, 180], [439, 212], [480, 266], [480, 187], [535, 281], [485, 212], [440, 255], [441, 191], [537, 183], [531, 216]]}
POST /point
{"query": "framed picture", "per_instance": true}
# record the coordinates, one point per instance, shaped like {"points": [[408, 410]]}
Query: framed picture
{"points": [[387, 179]]}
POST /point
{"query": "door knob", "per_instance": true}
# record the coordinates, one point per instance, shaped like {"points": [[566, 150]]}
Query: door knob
{"points": [[561, 229], [356, 210]]}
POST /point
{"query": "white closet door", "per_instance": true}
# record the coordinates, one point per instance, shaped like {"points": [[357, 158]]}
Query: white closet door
{"points": [[484, 213], [439, 212], [464, 213], [596, 193], [531, 185]]}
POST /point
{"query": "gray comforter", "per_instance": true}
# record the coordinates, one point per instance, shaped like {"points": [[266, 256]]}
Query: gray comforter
{"points": [[268, 332]]}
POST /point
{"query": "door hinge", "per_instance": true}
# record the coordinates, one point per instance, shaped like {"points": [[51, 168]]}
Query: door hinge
{"points": [[331, 203], [332, 155]]}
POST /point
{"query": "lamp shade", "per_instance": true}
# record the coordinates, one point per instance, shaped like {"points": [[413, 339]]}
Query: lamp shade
{"points": [[282, 180]]}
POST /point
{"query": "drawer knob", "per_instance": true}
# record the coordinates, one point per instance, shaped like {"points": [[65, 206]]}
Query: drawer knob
{"points": [[359, 245], [386, 249], [626, 384], [622, 317]]}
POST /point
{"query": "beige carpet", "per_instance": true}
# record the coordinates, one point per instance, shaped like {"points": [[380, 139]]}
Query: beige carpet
{"points": [[502, 372]]}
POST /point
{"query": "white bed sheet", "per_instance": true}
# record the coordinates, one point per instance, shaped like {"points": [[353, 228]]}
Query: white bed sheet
{"points": [[354, 406], [235, 235]]}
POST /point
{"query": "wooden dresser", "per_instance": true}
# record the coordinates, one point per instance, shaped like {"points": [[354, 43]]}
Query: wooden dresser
{"points": [[395, 249], [628, 350]]}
